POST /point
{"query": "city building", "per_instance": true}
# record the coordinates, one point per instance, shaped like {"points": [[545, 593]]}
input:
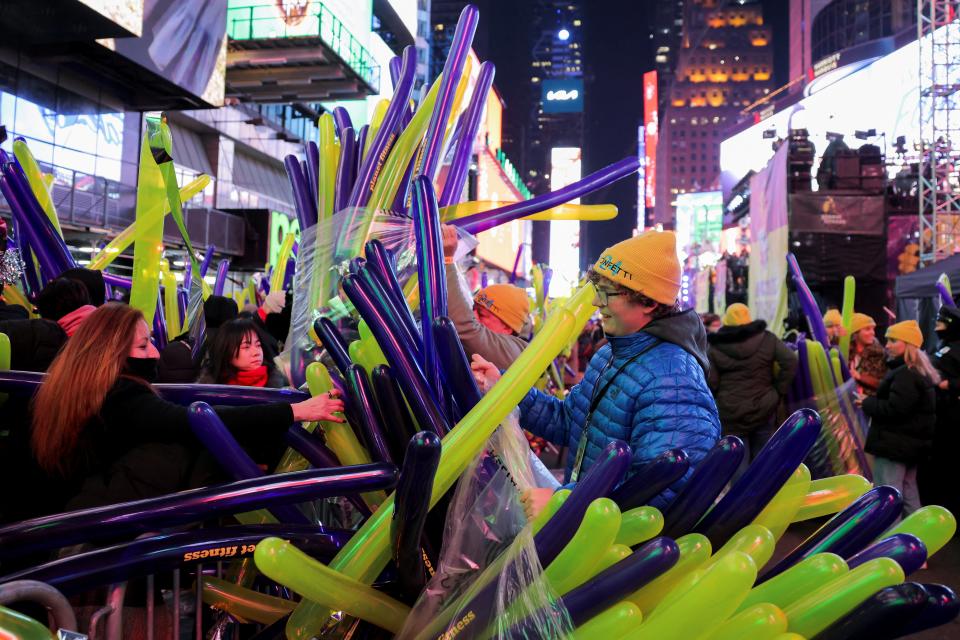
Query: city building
{"points": [[724, 65], [666, 32]]}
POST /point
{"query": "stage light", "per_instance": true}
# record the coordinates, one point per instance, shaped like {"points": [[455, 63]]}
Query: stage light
{"points": [[563, 34]]}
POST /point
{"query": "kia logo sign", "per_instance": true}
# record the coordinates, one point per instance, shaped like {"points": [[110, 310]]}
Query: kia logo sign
{"points": [[563, 94]]}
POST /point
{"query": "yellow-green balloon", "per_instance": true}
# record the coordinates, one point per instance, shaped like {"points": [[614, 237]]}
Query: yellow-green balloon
{"points": [[615, 622], [17, 626], [789, 636], [281, 561], [781, 510], [694, 553], [827, 496], [797, 581], [933, 524], [759, 622], [814, 612], [705, 604], [242, 603], [612, 556], [574, 564], [553, 505], [754, 540], [639, 525]]}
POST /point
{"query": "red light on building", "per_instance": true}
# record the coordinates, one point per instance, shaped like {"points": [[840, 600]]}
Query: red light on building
{"points": [[650, 124]]}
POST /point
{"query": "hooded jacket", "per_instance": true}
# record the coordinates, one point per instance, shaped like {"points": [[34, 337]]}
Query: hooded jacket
{"points": [[750, 370], [903, 416], [659, 401]]}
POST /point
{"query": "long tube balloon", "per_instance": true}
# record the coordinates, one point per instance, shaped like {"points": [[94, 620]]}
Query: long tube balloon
{"points": [[301, 192], [597, 180], [880, 616], [393, 410], [411, 504], [909, 552], [365, 405], [849, 294], [333, 342], [650, 479], [807, 303], [111, 521], [346, 169], [454, 364], [452, 69], [34, 175], [368, 552], [432, 277], [463, 152], [380, 263]]}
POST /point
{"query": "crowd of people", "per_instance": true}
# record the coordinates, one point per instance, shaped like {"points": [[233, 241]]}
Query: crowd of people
{"points": [[644, 371]]}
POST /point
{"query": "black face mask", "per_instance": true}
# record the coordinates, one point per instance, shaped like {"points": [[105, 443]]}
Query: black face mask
{"points": [[145, 368]]}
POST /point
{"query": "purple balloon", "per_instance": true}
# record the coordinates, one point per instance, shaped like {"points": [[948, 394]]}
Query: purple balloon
{"points": [[159, 324], [28, 240], [386, 135], [221, 280], [706, 482], [399, 204], [651, 479], [455, 365], [881, 616], [401, 320], [168, 551], [487, 220], [358, 156], [226, 394], [945, 298], [396, 63], [452, 70], [365, 405], [341, 121], [207, 258], [182, 300], [463, 152], [380, 265], [807, 303], [372, 307], [311, 171], [195, 505], [301, 192], [393, 411], [346, 169], [516, 264], [547, 277], [610, 586], [431, 273], [312, 448], [847, 532], [333, 343], [411, 505], [908, 551], [772, 467], [943, 605], [237, 463], [484, 280]]}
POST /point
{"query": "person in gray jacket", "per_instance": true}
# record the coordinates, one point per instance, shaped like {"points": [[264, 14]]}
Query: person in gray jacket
{"points": [[750, 372], [490, 324]]}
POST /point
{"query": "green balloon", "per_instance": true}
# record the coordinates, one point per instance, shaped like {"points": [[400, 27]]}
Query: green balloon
{"points": [[754, 540], [639, 525], [694, 553], [933, 524], [780, 511], [16, 625], [553, 505], [574, 565], [828, 496], [797, 581], [816, 611], [612, 556], [759, 622], [612, 623]]}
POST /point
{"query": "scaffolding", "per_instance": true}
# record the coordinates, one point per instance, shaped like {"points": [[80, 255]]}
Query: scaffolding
{"points": [[938, 32]]}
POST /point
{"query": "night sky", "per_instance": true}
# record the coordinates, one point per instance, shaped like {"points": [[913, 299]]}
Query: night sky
{"points": [[617, 51]]}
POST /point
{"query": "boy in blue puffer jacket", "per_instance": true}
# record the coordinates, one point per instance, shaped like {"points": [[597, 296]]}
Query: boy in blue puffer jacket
{"points": [[646, 387]]}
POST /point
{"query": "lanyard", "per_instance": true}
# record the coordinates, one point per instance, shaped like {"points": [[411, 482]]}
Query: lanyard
{"points": [[595, 402]]}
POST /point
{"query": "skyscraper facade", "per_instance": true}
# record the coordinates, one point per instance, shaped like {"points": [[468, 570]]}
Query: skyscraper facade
{"points": [[724, 65]]}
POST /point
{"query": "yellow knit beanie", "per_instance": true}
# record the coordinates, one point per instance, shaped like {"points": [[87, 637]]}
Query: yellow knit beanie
{"points": [[907, 331], [507, 302], [832, 318], [861, 321], [736, 315], [646, 263]]}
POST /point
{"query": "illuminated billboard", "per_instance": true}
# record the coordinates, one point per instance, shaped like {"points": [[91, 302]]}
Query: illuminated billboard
{"points": [[565, 168], [562, 96], [700, 224], [650, 125]]}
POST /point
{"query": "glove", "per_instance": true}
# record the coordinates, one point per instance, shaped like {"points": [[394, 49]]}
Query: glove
{"points": [[275, 302]]}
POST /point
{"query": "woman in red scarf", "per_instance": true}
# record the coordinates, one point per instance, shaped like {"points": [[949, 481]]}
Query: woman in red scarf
{"points": [[235, 356]]}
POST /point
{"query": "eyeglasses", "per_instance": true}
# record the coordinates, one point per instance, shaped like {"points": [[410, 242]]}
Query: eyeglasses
{"points": [[604, 295]]}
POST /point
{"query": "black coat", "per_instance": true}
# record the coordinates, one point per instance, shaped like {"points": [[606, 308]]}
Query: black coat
{"points": [[33, 343], [947, 362], [903, 416], [141, 446], [743, 378]]}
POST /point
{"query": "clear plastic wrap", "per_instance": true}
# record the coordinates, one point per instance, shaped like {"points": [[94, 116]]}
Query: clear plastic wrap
{"points": [[487, 539], [839, 448]]}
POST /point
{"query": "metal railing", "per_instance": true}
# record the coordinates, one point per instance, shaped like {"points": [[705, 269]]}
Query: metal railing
{"points": [[265, 23]]}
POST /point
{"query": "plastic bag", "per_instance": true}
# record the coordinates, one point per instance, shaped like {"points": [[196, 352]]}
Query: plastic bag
{"points": [[839, 447], [488, 550]]}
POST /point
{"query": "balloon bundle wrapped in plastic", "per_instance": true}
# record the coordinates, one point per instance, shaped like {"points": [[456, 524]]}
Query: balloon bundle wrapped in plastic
{"points": [[823, 383]]}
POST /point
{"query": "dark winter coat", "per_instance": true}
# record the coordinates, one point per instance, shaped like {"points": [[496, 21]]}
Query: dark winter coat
{"points": [[660, 401], [33, 343], [176, 363], [947, 362], [750, 371], [141, 446], [903, 416]]}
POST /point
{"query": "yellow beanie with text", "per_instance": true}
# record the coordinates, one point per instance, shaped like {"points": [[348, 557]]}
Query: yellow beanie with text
{"points": [[646, 263], [507, 302]]}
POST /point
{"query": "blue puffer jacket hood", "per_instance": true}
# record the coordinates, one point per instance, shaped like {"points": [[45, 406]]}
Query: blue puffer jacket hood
{"points": [[659, 401]]}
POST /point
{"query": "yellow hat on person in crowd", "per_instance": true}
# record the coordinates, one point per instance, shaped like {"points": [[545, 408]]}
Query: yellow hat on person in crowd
{"points": [[861, 321], [507, 302], [907, 331], [832, 318], [646, 263], [737, 314]]}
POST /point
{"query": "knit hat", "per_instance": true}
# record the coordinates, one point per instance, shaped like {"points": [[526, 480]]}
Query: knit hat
{"points": [[832, 318], [907, 331], [646, 263], [507, 302], [736, 315], [861, 321]]}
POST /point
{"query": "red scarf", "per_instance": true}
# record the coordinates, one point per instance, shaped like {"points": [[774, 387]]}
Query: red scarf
{"points": [[252, 378]]}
